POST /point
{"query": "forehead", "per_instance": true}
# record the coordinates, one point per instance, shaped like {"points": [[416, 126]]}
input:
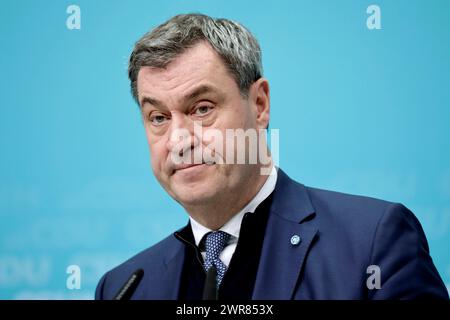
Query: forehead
{"points": [[198, 64]]}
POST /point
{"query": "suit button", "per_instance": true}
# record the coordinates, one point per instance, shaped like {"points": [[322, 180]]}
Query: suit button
{"points": [[295, 240]]}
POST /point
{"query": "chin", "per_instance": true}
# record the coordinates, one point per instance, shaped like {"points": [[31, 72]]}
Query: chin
{"points": [[195, 195]]}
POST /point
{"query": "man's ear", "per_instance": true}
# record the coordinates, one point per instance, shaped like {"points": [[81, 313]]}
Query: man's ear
{"points": [[259, 95]]}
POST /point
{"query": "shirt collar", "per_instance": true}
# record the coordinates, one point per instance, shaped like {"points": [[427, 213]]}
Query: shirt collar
{"points": [[233, 226]]}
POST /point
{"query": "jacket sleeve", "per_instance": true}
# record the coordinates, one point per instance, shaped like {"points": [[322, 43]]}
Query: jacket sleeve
{"points": [[99, 289], [401, 252]]}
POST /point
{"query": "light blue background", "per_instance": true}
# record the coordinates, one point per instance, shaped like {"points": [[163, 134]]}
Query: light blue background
{"points": [[359, 111]]}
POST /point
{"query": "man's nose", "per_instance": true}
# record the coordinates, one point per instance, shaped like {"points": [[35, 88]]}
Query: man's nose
{"points": [[181, 136]]}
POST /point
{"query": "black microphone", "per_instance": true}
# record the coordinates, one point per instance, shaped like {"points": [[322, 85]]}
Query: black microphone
{"points": [[210, 288], [130, 286]]}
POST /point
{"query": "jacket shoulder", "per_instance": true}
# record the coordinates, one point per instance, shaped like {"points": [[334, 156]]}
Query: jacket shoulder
{"points": [[349, 208]]}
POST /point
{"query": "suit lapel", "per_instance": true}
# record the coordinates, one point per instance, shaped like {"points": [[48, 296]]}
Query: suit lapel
{"points": [[165, 282], [172, 276], [282, 257], [281, 262]]}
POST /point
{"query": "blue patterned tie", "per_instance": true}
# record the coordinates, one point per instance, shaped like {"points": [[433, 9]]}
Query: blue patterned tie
{"points": [[214, 244]]}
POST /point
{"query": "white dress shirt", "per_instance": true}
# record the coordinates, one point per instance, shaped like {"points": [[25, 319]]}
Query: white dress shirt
{"points": [[233, 226]]}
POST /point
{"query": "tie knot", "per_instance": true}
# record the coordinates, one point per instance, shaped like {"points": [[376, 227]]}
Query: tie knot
{"points": [[214, 244]]}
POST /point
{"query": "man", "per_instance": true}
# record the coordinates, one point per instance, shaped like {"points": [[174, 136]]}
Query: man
{"points": [[257, 236]]}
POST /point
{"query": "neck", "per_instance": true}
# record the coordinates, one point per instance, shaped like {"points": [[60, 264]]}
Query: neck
{"points": [[225, 207]]}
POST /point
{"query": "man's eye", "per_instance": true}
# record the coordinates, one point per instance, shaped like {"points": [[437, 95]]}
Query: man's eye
{"points": [[200, 111], [158, 119]]}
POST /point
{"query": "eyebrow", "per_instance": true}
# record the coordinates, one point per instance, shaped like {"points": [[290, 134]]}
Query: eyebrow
{"points": [[152, 101], [202, 89]]}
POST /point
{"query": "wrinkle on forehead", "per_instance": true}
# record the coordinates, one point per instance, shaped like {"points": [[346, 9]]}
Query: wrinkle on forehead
{"points": [[196, 64]]}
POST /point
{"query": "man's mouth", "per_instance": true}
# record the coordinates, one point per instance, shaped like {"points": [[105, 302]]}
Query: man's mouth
{"points": [[185, 166]]}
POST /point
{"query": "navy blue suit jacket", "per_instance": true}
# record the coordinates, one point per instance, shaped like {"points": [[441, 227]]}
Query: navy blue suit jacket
{"points": [[341, 236]]}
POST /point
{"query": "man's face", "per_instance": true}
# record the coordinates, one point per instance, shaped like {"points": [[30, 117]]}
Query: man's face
{"points": [[194, 88]]}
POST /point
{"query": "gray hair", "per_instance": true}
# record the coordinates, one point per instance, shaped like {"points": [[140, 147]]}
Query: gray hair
{"points": [[237, 47]]}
